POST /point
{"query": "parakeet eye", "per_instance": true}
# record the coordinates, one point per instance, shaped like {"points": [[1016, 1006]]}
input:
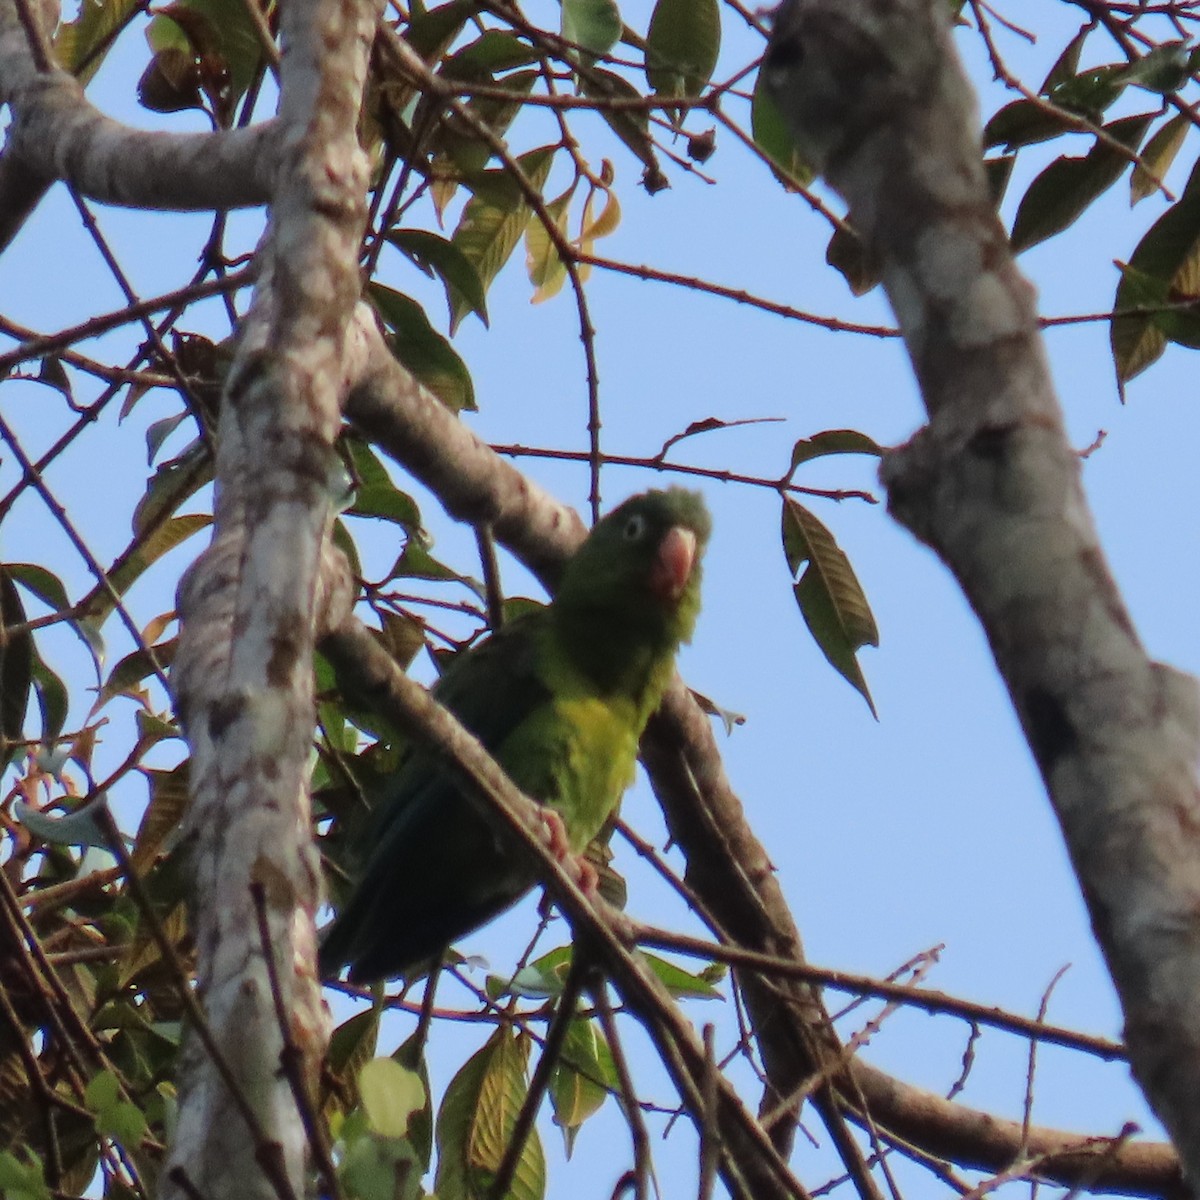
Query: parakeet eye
{"points": [[635, 527]]}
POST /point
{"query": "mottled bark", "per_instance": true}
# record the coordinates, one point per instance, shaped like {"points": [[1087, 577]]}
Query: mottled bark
{"points": [[877, 100], [250, 607]]}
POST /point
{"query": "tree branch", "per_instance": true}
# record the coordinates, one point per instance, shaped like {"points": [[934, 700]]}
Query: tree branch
{"points": [[878, 101], [57, 134]]}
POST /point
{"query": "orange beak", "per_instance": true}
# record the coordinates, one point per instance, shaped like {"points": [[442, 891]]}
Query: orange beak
{"points": [[673, 566]]}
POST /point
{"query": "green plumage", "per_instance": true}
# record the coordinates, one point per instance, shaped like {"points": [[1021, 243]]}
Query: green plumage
{"points": [[559, 698]]}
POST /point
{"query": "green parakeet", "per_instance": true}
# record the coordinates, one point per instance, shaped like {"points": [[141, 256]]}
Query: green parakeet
{"points": [[560, 698]]}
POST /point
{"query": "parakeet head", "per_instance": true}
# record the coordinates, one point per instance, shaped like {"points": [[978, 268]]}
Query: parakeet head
{"points": [[640, 567]]}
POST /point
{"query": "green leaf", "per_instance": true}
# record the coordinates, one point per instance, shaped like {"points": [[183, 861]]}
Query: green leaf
{"points": [[1166, 262], [543, 264], [52, 698], [171, 484], [415, 562], [495, 51], [833, 441], [831, 599], [46, 586], [1066, 66], [476, 1121], [999, 171], [682, 45], [1090, 92], [125, 1122], [423, 350], [435, 254], [22, 1180], [386, 502], [1025, 123], [352, 1046], [220, 29], [542, 978], [164, 814], [1162, 69], [680, 983], [134, 667], [390, 1094], [461, 154], [16, 668], [1061, 193], [495, 218], [632, 126], [771, 136], [79, 828], [595, 25], [103, 1091], [159, 431], [99, 604], [1157, 157], [582, 1078], [374, 1168], [81, 45]]}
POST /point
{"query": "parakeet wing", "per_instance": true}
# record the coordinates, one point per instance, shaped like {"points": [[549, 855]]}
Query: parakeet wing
{"points": [[434, 868]]}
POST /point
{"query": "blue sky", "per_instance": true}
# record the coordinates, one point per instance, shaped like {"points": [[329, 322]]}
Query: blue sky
{"points": [[929, 826]]}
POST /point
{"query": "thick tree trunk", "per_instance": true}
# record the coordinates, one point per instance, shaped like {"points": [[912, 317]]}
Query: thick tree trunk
{"points": [[250, 607], [877, 100]]}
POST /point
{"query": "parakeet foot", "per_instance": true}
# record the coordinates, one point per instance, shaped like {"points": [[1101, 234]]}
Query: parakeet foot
{"points": [[585, 875], [556, 835]]}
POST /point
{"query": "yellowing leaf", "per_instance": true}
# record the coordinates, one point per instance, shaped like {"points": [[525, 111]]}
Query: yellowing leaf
{"points": [[390, 1094], [543, 263]]}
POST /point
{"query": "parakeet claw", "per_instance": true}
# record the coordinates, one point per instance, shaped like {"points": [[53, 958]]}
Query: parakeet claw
{"points": [[556, 835], [588, 877], [584, 874]]}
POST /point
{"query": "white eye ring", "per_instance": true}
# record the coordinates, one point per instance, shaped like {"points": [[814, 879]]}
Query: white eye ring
{"points": [[634, 527]]}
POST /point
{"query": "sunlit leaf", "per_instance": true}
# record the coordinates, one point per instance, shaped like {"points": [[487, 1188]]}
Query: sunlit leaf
{"points": [[543, 263], [1157, 157], [81, 44], [680, 983], [582, 1079], [495, 218], [476, 1121], [390, 1094]]}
